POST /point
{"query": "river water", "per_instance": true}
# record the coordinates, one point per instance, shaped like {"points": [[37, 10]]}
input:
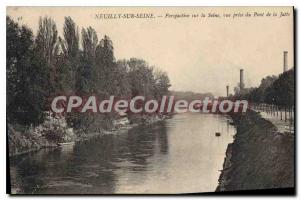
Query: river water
{"points": [[178, 155]]}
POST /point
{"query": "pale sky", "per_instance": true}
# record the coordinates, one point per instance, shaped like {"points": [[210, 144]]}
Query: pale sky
{"points": [[199, 54]]}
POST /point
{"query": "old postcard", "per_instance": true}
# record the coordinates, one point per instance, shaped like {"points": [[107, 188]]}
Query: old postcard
{"points": [[150, 100]]}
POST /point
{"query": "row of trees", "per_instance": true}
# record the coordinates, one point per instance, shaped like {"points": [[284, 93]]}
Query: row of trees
{"points": [[278, 93], [47, 64]]}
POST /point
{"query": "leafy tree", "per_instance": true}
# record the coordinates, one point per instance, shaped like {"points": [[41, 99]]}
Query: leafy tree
{"points": [[25, 76], [122, 77], [283, 89], [86, 78], [70, 44], [46, 48], [68, 61], [162, 83], [141, 78], [45, 65], [106, 67]]}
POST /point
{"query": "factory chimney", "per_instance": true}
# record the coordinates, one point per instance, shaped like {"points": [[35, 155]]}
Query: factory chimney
{"points": [[285, 61], [227, 90], [242, 85]]}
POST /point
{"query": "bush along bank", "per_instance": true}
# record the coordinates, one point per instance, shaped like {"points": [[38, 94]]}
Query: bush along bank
{"points": [[23, 139], [259, 158], [61, 129]]}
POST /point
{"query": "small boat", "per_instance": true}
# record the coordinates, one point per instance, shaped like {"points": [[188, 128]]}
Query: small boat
{"points": [[65, 143], [218, 134]]}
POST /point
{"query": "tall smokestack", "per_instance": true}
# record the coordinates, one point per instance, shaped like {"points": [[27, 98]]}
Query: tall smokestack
{"points": [[227, 90], [285, 61], [242, 85]]}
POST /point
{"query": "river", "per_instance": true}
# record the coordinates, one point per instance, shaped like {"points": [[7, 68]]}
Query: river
{"points": [[177, 155]]}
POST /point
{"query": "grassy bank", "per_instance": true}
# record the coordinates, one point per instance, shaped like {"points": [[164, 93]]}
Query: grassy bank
{"points": [[259, 158]]}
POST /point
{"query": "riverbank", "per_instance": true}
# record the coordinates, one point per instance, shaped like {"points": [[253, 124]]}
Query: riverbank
{"points": [[259, 158], [23, 140]]}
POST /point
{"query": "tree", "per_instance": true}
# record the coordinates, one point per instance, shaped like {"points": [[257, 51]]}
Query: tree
{"points": [[46, 48], [162, 83], [45, 65], [86, 78], [12, 57], [68, 61], [106, 67], [283, 89], [70, 44], [25, 77], [122, 77], [141, 78]]}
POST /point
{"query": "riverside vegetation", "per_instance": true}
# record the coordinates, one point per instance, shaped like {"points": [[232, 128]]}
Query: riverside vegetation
{"points": [[43, 65]]}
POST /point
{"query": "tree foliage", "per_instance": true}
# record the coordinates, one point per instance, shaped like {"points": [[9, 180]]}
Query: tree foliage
{"points": [[47, 64], [26, 76], [273, 90]]}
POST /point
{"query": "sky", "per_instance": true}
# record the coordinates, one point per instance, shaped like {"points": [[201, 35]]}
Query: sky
{"points": [[199, 54]]}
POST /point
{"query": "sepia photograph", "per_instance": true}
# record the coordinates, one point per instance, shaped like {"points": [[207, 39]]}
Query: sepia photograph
{"points": [[150, 100]]}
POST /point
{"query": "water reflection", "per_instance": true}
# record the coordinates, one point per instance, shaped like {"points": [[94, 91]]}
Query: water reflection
{"points": [[178, 155]]}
